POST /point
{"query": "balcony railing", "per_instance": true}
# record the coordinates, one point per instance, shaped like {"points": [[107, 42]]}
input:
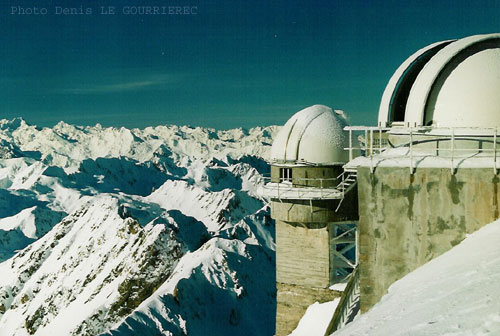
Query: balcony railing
{"points": [[451, 143], [285, 189], [308, 188]]}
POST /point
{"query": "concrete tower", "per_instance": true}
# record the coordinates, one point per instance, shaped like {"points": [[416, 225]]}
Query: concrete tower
{"points": [[314, 209], [438, 179]]}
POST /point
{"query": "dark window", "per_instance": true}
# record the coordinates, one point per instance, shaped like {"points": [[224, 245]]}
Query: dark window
{"points": [[285, 174]]}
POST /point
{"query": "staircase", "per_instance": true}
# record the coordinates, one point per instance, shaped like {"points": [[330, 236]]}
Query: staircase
{"points": [[348, 181], [348, 307]]}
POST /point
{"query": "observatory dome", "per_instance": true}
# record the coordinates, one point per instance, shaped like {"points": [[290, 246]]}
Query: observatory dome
{"points": [[447, 84], [315, 135]]}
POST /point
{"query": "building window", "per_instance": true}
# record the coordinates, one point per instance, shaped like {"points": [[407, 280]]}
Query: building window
{"points": [[285, 174]]}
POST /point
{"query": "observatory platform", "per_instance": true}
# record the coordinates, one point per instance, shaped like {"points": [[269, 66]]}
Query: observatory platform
{"points": [[402, 192]]}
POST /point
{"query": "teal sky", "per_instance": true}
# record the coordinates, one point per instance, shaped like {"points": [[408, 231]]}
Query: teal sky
{"points": [[235, 63]]}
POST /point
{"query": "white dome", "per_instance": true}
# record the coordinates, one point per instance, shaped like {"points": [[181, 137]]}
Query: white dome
{"points": [[393, 103], [315, 135], [448, 84]]}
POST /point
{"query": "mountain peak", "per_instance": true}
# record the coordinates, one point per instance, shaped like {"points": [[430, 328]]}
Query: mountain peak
{"points": [[152, 231], [13, 124]]}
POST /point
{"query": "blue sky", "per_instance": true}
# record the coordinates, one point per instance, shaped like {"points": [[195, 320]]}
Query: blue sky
{"points": [[236, 63]]}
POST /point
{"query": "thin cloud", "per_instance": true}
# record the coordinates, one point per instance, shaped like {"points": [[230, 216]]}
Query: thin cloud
{"points": [[117, 87]]}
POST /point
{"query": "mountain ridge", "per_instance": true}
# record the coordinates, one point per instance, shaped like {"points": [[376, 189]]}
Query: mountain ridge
{"points": [[112, 227]]}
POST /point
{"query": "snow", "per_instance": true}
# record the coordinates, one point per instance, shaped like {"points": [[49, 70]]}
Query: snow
{"points": [[67, 145], [340, 286], [316, 319], [160, 231], [454, 294], [217, 264], [196, 202], [328, 127], [115, 230]]}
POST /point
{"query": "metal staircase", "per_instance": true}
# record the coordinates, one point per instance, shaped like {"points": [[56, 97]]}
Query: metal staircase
{"points": [[348, 307], [349, 179]]}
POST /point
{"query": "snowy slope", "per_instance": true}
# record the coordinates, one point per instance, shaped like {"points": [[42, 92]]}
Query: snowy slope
{"points": [[117, 231], [454, 294], [216, 290]]}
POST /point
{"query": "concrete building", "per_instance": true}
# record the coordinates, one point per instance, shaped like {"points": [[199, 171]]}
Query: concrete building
{"points": [[437, 181], [427, 177], [314, 211]]}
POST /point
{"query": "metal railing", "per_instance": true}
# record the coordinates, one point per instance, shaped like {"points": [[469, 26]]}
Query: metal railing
{"points": [[348, 306], [309, 188], [461, 144], [369, 139], [298, 188]]}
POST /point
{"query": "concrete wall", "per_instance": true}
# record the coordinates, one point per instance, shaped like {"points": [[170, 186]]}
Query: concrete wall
{"points": [[302, 211], [302, 256], [406, 220]]}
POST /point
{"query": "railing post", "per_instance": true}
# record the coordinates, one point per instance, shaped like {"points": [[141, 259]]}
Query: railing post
{"points": [[379, 140], [350, 144], [411, 150], [495, 151], [371, 150], [371, 142], [366, 142], [279, 196], [321, 188], [343, 184], [356, 235], [452, 149]]}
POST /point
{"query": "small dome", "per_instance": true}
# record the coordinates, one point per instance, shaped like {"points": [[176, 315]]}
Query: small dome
{"points": [[314, 135], [447, 84]]}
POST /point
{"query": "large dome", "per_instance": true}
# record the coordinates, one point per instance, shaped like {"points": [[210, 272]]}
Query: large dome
{"points": [[313, 135], [447, 84]]}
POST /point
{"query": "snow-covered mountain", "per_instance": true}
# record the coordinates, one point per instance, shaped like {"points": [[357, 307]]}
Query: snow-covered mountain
{"points": [[113, 231]]}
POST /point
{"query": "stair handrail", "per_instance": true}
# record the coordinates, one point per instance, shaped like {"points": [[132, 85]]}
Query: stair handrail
{"points": [[345, 303]]}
